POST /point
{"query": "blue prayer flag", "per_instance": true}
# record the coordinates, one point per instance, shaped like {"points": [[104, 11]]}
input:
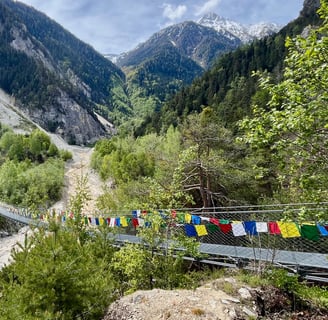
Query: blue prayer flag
{"points": [[190, 230], [250, 228]]}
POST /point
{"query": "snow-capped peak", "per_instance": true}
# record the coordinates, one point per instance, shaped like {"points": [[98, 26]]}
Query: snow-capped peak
{"points": [[232, 28]]}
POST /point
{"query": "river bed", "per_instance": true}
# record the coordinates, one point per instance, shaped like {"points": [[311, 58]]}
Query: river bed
{"points": [[8, 243]]}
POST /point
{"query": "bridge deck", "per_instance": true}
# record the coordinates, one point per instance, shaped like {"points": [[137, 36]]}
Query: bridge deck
{"points": [[284, 257]]}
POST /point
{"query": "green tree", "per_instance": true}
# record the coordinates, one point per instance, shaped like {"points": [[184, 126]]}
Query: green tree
{"points": [[54, 277], [294, 124], [39, 143]]}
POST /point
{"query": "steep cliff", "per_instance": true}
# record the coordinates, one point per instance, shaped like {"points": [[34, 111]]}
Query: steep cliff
{"points": [[56, 79]]}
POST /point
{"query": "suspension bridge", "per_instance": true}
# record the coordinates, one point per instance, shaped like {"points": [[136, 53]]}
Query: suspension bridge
{"points": [[303, 253]]}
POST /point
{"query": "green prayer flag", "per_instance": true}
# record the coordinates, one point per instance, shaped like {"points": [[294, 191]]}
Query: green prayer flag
{"points": [[310, 232], [212, 227]]}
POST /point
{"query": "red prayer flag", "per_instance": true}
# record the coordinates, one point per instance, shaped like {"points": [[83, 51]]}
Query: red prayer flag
{"points": [[135, 222], [273, 227], [225, 228], [215, 221]]}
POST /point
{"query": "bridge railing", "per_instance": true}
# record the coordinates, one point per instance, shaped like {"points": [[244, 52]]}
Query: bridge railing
{"points": [[273, 233]]}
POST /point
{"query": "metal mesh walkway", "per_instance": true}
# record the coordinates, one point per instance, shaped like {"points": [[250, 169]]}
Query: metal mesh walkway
{"points": [[223, 248]]}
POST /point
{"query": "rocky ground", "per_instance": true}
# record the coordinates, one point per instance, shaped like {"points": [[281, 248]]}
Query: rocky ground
{"points": [[221, 299]]}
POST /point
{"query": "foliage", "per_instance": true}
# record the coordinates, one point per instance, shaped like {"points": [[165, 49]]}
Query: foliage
{"points": [[316, 296], [228, 86], [293, 126], [59, 63], [196, 164], [53, 276], [158, 260], [31, 171], [73, 273]]}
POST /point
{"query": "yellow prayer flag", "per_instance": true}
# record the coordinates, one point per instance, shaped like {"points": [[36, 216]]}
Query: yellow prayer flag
{"points": [[101, 221], [124, 222], [201, 230], [289, 229], [187, 218]]}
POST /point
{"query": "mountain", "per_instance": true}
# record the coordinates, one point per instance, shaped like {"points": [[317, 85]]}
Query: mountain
{"points": [[191, 40], [171, 59], [56, 79], [233, 29], [229, 87]]}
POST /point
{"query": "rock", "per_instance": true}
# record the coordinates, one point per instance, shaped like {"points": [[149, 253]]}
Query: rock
{"points": [[244, 293], [234, 300], [232, 313], [249, 313]]}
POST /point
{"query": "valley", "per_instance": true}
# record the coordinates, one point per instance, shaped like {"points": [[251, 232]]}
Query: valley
{"points": [[208, 141]]}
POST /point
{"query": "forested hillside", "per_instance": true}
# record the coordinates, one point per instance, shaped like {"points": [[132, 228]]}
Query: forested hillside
{"points": [[229, 87], [171, 59], [196, 151], [56, 78]]}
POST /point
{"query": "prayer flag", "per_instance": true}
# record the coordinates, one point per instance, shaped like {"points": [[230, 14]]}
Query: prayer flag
{"points": [[250, 228], [134, 214], [214, 221], [212, 227], [181, 217], [289, 229], [141, 222], [322, 230], [190, 230], [201, 230], [310, 232], [195, 219], [261, 227], [225, 228], [238, 229], [273, 227], [135, 222], [124, 222], [187, 218], [112, 222]]}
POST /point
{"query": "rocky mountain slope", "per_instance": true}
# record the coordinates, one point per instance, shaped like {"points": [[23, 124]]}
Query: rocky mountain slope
{"points": [[233, 29], [199, 43], [56, 79]]}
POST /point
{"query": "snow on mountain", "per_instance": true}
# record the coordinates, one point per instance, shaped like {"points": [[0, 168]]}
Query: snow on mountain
{"points": [[234, 29], [263, 29]]}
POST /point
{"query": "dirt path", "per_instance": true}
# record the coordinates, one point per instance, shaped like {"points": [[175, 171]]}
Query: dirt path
{"points": [[76, 168]]}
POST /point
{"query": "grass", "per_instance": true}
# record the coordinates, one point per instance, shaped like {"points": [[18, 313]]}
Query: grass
{"points": [[198, 312]]}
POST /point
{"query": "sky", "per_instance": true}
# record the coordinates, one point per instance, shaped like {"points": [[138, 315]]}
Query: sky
{"points": [[116, 26]]}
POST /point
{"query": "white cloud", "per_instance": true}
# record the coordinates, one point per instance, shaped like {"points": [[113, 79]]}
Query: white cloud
{"points": [[174, 13], [208, 6]]}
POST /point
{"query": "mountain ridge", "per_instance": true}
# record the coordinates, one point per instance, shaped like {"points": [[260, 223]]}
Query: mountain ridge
{"points": [[245, 33], [57, 80]]}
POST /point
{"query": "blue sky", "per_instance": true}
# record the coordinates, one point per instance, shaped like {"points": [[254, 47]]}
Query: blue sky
{"points": [[115, 26]]}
